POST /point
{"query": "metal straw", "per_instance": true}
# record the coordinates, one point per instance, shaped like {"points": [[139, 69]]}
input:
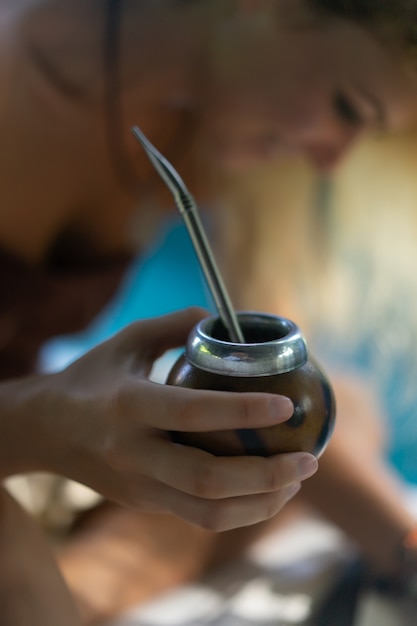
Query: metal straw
{"points": [[188, 209]]}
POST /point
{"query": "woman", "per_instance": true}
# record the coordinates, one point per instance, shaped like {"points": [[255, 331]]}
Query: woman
{"points": [[254, 80]]}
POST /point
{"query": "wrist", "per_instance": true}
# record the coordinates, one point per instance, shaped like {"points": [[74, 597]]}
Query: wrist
{"points": [[24, 437]]}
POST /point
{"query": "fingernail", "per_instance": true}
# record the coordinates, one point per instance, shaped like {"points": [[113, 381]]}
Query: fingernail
{"points": [[292, 490], [306, 466], [281, 408]]}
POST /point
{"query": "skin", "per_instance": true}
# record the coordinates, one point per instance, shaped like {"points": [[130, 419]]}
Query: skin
{"points": [[110, 439], [334, 84], [107, 391], [243, 117]]}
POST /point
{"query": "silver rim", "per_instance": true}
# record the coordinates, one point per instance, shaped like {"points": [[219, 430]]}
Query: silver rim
{"points": [[283, 349]]}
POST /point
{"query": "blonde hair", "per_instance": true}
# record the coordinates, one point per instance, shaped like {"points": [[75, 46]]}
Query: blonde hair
{"points": [[263, 237], [345, 263], [370, 284]]}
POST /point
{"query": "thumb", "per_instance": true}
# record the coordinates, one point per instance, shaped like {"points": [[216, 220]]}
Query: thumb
{"points": [[154, 336]]}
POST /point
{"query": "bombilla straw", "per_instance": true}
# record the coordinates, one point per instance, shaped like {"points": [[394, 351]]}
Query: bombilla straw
{"points": [[188, 210]]}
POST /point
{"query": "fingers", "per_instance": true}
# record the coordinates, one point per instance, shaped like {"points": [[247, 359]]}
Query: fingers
{"points": [[179, 409], [190, 410], [203, 475], [223, 515], [220, 494]]}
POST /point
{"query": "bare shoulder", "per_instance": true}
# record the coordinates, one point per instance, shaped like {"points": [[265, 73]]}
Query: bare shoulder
{"points": [[50, 141]]}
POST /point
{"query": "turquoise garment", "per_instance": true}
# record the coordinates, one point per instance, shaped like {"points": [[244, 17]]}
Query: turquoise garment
{"points": [[165, 279]]}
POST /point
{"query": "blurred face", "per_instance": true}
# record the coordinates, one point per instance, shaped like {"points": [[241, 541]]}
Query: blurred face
{"points": [[304, 89]]}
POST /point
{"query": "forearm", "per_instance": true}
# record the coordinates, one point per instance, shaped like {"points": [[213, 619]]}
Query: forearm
{"points": [[361, 497], [24, 442], [355, 487]]}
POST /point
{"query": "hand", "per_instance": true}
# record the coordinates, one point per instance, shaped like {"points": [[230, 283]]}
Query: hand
{"points": [[111, 427]]}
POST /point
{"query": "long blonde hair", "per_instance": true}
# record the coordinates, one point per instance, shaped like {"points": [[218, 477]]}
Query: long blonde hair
{"points": [[264, 236], [344, 260]]}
